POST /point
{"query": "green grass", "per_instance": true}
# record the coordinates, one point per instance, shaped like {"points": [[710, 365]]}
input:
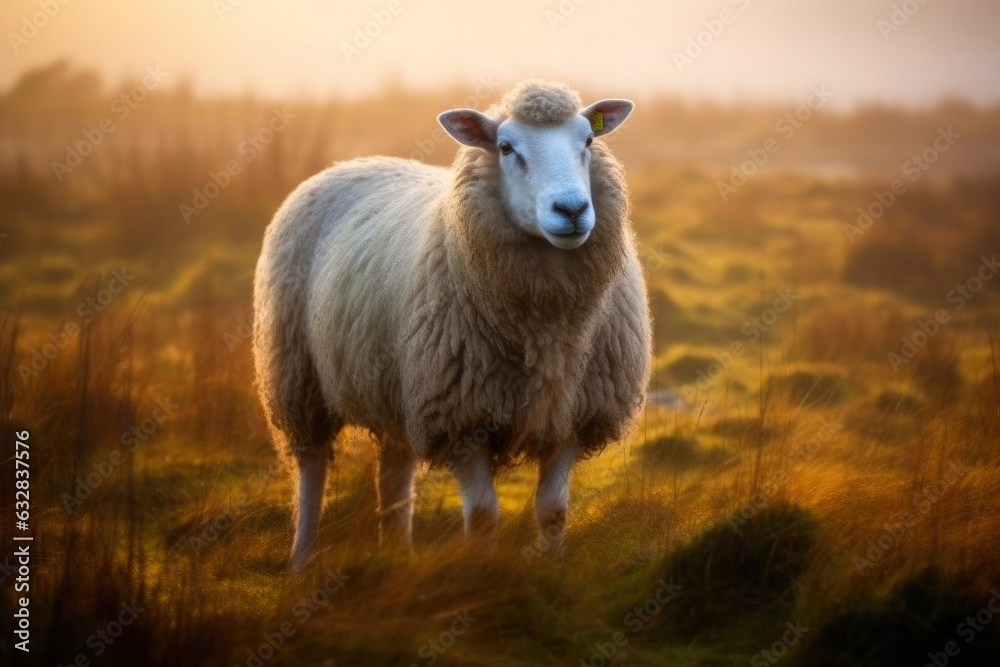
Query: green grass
{"points": [[807, 442]]}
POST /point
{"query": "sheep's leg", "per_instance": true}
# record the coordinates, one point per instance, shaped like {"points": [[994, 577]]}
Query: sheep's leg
{"points": [[397, 465], [309, 504], [480, 504], [552, 498]]}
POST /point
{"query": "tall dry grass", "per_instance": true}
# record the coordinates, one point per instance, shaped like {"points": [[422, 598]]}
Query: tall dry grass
{"points": [[758, 497]]}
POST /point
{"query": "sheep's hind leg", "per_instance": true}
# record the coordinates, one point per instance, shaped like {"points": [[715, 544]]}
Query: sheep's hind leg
{"points": [[552, 498], [397, 465], [480, 503], [310, 487]]}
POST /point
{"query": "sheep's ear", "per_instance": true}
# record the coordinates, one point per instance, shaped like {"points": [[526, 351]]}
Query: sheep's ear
{"points": [[605, 116], [469, 127]]}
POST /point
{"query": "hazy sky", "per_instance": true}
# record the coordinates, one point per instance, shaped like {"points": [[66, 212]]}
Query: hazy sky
{"points": [[770, 49]]}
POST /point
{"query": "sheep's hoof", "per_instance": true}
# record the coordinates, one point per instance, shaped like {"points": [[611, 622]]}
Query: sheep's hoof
{"points": [[551, 545], [482, 526], [552, 534], [555, 550], [395, 544], [299, 559]]}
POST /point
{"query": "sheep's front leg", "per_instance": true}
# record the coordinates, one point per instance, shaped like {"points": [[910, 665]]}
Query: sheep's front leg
{"points": [[397, 465], [552, 498], [473, 471]]}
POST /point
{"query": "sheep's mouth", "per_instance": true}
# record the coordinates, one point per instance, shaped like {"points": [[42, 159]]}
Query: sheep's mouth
{"points": [[567, 240]]}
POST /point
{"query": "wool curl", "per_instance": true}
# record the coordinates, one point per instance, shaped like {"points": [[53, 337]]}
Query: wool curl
{"points": [[401, 298], [539, 102]]}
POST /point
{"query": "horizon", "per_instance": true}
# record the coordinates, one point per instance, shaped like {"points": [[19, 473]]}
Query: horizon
{"points": [[321, 52], [393, 86]]}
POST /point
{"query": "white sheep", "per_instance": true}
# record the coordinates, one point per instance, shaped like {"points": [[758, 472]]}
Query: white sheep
{"points": [[423, 303]]}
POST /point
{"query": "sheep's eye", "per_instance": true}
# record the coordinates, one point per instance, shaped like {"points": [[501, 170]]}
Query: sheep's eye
{"points": [[506, 148], [590, 140]]}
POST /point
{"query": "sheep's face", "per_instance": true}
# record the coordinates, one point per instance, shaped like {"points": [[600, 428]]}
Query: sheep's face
{"points": [[544, 169]]}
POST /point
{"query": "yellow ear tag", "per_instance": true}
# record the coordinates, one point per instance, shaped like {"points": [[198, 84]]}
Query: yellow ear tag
{"points": [[597, 122]]}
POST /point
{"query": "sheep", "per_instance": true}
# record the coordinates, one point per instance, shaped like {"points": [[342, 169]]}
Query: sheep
{"points": [[501, 299]]}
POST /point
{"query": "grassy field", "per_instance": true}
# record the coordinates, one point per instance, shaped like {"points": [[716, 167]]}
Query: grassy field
{"points": [[813, 482]]}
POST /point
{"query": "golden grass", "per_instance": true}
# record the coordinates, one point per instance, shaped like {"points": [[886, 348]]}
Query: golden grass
{"points": [[807, 434]]}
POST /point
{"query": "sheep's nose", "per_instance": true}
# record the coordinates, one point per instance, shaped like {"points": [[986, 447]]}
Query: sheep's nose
{"points": [[571, 210]]}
